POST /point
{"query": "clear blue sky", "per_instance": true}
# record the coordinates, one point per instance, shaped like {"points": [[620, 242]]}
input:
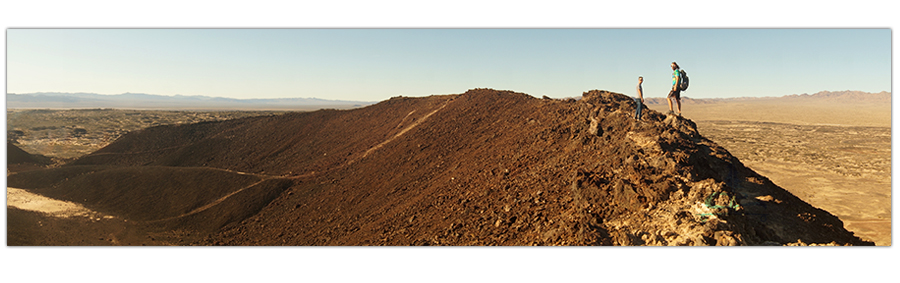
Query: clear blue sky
{"points": [[376, 64]]}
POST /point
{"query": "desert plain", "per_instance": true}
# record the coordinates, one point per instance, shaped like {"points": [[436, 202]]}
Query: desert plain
{"points": [[832, 152]]}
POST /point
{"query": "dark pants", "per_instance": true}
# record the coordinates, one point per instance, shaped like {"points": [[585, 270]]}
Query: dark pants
{"points": [[637, 114]]}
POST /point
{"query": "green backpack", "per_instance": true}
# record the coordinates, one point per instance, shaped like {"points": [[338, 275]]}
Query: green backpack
{"points": [[684, 80]]}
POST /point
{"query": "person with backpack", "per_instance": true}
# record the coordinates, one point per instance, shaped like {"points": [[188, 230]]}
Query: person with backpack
{"points": [[639, 100], [677, 82]]}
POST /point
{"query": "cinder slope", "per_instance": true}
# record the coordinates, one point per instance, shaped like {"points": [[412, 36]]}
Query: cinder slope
{"points": [[290, 144], [502, 168], [485, 167]]}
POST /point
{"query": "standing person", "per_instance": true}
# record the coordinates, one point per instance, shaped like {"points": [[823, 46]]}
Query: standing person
{"points": [[639, 100], [676, 92]]}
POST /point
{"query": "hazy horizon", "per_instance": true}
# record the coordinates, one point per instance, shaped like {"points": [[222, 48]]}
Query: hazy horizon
{"points": [[326, 99], [376, 64]]}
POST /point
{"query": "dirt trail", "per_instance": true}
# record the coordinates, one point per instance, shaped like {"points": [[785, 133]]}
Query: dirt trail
{"points": [[410, 127], [210, 205], [139, 152]]}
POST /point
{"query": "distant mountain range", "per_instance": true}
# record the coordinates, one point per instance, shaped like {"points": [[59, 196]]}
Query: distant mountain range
{"points": [[847, 96], [57, 100]]}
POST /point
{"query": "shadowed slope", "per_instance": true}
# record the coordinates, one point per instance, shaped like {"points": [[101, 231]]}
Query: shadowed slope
{"points": [[20, 160], [157, 195]]}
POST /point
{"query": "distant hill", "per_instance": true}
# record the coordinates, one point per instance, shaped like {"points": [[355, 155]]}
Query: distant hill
{"points": [[685, 100], [847, 96], [844, 96], [58, 100]]}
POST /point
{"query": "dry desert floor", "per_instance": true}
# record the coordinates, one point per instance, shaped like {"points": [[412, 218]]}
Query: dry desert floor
{"points": [[833, 155]]}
